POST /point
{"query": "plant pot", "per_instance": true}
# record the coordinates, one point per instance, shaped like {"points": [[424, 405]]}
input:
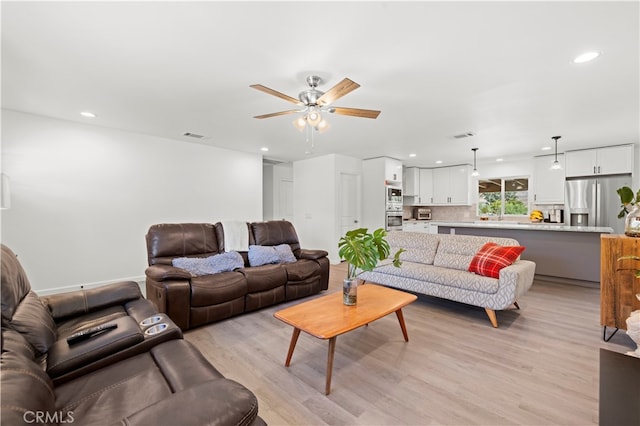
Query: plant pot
{"points": [[350, 291], [632, 222]]}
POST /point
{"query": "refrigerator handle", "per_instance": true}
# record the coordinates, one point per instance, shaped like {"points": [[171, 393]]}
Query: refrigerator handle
{"points": [[598, 205]]}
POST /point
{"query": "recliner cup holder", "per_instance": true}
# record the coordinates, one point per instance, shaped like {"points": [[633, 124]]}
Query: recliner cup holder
{"points": [[158, 328], [151, 320]]}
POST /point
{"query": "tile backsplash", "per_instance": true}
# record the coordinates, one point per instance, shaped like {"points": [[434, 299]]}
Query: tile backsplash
{"points": [[446, 213]]}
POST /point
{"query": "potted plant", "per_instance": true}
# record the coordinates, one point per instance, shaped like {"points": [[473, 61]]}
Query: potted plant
{"points": [[363, 251], [630, 209]]}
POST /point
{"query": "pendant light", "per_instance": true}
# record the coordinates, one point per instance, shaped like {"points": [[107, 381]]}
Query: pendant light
{"points": [[475, 170], [556, 164]]}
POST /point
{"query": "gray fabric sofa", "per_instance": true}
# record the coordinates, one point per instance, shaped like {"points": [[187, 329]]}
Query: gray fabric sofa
{"points": [[437, 265]]}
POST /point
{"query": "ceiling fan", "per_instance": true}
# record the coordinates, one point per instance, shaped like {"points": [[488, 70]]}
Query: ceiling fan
{"points": [[315, 101]]}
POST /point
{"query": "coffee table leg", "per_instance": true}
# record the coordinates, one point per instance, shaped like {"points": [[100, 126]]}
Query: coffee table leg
{"points": [[332, 350], [292, 345], [402, 326]]}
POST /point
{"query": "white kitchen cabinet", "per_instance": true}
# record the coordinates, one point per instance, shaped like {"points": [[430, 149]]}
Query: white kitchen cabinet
{"points": [[599, 161], [411, 182], [548, 185], [451, 185], [418, 187], [425, 196], [392, 170], [419, 226]]}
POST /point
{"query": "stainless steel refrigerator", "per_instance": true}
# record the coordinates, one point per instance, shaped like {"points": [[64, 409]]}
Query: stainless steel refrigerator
{"points": [[595, 202]]}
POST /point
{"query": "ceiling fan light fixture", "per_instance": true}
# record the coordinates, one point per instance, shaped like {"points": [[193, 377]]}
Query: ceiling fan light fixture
{"points": [[314, 102], [300, 123], [322, 126], [314, 117]]}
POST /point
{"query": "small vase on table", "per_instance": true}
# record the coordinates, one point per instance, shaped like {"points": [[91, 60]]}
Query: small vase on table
{"points": [[350, 291]]}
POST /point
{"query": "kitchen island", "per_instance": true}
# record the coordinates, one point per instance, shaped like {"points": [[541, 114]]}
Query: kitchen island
{"points": [[562, 253]]}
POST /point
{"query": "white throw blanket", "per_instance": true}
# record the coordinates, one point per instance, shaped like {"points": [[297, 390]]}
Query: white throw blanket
{"points": [[236, 235]]}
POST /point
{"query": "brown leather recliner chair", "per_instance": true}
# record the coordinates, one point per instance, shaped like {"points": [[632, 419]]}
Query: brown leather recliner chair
{"points": [[128, 375], [192, 301]]}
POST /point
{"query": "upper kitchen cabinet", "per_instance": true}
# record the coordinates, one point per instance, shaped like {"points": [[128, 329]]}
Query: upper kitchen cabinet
{"points": [[600, 161], [411, 182], [425, 196], [418, 188], [392, 170], [451, 185], [548, 185]]}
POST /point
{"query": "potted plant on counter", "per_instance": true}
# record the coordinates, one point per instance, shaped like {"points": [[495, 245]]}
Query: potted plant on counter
{"points": [[631, 209], [363, 251]]}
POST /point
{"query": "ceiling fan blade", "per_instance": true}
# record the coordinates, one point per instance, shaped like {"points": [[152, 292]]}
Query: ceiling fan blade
{"points": [[276, 114], [265, 89], [337, 91], [356, 112]]}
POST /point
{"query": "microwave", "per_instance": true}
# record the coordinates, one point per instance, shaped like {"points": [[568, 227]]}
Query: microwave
{"points": [[422, 214], [393, 198]]}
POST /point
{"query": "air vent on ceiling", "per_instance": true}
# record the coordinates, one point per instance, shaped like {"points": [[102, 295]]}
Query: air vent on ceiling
{"points": [[193, 135], [271, 162], [463, 135]]}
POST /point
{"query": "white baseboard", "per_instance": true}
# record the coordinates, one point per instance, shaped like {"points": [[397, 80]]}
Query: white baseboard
{"points": [[140, 280]]}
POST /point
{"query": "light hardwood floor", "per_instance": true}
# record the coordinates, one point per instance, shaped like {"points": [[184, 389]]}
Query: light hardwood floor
{"points": [[540, 367]]}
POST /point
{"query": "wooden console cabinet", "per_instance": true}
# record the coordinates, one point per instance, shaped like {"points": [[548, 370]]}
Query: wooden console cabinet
{"points": [[618, 284]]}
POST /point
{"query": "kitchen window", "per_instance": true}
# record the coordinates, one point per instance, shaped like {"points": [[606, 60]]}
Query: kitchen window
{"points": [[503, 196]]}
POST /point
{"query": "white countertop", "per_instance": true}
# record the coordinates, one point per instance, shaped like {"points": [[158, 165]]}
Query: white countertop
{"points": [[542, 226]]}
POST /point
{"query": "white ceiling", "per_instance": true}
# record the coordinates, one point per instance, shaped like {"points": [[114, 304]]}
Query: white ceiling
{"points": [[502, 70]]}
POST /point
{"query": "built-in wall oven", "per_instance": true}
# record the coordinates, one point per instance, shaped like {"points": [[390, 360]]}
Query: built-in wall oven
{"points": [[393, 214], [393, 221]]}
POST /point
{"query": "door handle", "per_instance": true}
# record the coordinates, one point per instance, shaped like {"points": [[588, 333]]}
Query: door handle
{"points": [[355, 221]]}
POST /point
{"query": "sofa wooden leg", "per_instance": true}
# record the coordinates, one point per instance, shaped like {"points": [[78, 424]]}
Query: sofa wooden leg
{"points": [[516, 305], [492, 317]]}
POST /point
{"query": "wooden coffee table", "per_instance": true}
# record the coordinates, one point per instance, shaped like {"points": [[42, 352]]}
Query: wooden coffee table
{"points": [[327, 317]]}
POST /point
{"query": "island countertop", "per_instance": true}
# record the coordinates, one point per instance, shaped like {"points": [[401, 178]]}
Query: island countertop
{"points": [[543, 226], [562, 252]]}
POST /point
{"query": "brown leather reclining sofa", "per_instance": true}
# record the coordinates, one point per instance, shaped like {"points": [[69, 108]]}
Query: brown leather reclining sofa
{"points": [[191, 301], [140, 372]]}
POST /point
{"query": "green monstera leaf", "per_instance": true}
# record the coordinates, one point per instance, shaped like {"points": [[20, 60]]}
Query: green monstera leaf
{"points": [[363, 250], [627, 198]]}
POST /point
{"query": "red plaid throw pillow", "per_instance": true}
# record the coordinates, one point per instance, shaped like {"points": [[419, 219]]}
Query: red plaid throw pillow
{"points": [[492, 257]]}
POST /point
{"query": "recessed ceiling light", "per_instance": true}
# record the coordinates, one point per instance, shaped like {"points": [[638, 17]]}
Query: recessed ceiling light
{"points": [[88, 114], [264, 148], [586, 57], [546, 148], [412, 155], [499, 159], [438, 161]]}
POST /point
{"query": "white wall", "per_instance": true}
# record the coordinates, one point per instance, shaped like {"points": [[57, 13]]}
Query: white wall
{"points": [[314, 201], [316, 189], [83, 197]]}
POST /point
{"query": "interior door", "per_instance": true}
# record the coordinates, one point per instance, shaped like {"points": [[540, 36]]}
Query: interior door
{"points": [[349, 202], [285, 202]]}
